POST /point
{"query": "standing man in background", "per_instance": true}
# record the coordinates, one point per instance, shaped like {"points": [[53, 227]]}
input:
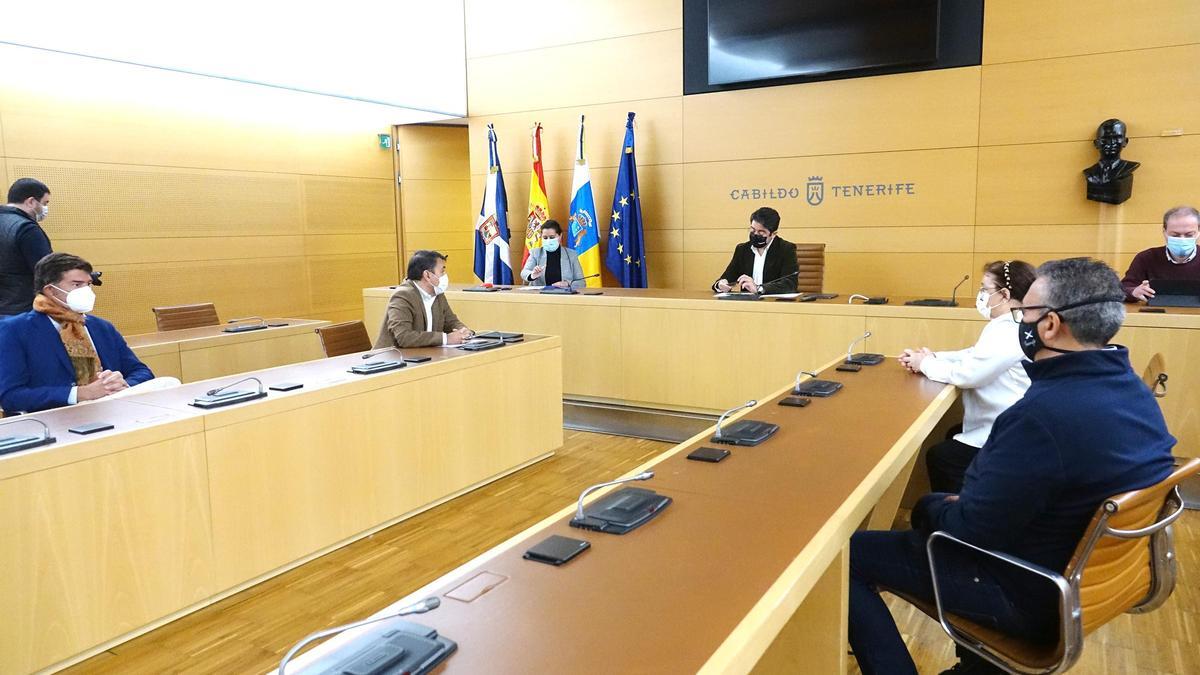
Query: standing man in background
{"points": [[22, 243], [764, 264]]}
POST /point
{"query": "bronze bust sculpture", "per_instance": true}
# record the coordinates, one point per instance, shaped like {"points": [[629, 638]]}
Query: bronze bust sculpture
{"points": [[1110, 180]]}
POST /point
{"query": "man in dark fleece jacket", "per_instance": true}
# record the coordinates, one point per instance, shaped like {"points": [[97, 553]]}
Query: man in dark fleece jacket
{"points": [[1087, 429]]}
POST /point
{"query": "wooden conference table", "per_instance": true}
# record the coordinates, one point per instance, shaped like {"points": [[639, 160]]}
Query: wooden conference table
{"points": [[745, 570], [109, 535], [193, 354], [685, 350]]}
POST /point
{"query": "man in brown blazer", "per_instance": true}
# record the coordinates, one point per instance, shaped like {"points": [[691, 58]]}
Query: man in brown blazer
{"points": [[418, 315]]}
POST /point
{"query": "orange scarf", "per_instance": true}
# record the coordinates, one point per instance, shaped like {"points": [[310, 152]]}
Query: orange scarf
{"points": [[75, 339]]}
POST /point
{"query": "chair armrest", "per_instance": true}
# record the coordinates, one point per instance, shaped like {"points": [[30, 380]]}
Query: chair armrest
{"points": [[1070, 613]]}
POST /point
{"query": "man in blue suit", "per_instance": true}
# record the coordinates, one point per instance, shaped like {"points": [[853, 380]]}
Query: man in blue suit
{"points": [[56, 354]]}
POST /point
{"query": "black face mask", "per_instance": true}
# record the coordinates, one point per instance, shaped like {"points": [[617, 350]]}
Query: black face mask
{"points": [[758, 240], [1031, 341]]}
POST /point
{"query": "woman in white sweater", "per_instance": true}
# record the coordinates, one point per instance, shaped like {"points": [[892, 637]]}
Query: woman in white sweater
{"points": [[990, 374]]}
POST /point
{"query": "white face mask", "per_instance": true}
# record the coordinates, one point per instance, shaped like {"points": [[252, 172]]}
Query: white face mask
{"points": [[981, 303], [81, 300], [443, 284], [43, 210]]}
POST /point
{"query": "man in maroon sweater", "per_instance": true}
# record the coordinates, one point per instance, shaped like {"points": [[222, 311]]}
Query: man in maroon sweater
{"points": [[1176, 260]]}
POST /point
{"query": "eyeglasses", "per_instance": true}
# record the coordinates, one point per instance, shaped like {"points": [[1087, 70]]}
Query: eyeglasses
{"points": [[1018, 313]]}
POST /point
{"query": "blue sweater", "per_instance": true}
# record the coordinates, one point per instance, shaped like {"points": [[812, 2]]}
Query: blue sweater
{"points": [[1088, 428], [35, 371]]}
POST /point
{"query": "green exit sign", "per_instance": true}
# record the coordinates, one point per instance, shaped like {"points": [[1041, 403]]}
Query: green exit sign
{"points": [[385, 141]]}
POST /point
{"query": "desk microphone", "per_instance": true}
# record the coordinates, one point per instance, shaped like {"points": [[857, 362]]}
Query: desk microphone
{"points": [[15, 443], [261, 325], [938, 302], [862, 358], [419, 608], [767, 283], [219, 397], [748, 404], [214, 392], [815, 386], [377, 352], [645, 475], [569, 290]]}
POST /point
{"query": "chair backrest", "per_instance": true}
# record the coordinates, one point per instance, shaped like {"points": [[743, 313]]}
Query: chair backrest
{"points": [[344, 338], [811, 260], [1155, 375], [186, 316], [1125, 561]]}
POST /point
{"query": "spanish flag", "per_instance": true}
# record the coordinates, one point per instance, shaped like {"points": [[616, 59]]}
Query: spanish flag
{"points": [[539, 205]]}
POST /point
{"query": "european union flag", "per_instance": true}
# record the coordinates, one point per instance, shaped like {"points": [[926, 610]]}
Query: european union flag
{"points": [[626, 256]]}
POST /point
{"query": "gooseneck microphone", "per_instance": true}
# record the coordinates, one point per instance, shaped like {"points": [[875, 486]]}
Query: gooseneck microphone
{"points": [[244, 327], [748, 404], [954, 293], [850, 349], [15, 443], [939, 302], [570, 289], [248, 318], [214, 392], [805, 372], [419, 608], [377, 352], [862, 358], [850, 300], [645, 475]]}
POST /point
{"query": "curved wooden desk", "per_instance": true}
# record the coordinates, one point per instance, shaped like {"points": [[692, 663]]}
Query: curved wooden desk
{"points": [[674, 349], [194, 354], [746, 569], [109, 535]]}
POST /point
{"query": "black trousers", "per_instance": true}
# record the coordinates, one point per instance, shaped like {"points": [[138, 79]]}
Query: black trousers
{"points": [[947, 463]]}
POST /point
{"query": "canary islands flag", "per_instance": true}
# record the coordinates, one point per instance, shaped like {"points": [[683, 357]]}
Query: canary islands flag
{"points": [[539, 205], [492, 262], [583, 235], [626, 255]]}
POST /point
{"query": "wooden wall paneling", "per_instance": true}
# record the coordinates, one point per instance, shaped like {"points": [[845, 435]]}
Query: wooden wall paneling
{"points": [[102, 252], [317, 245], [538, 24], [1029, 30], [898, 274], [131, 202], [927, 187], [337, 281], [1106, 237], [102, 546], [658, 131], [75, 114], [1043, 183], [630, 68], [334, 205], [1065, 99], [1118, 261], [912, 111], [253, 287]]}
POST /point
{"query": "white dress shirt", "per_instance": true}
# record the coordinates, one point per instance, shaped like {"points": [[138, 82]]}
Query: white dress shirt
{"points": [[759, 261], [427, 300], [73, 397], [990, 376]]}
